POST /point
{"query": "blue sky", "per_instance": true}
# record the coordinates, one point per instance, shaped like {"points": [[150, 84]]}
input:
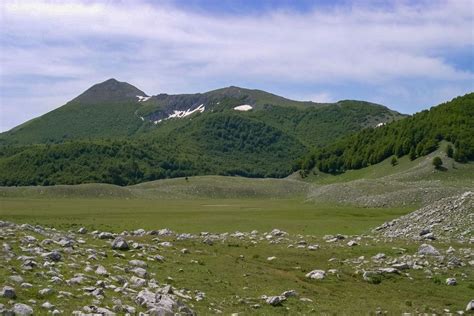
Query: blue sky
{"points": [[408, 55]]}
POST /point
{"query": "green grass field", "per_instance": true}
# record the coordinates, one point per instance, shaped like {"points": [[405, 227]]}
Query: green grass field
{"points": [[233, 283], [191, 215]]}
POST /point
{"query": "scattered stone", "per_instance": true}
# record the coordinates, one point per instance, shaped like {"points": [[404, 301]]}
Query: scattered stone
{"points": [[16, 278], [470, 306], [101, 270], [316, 274], [82, 230], [451, 281], [45, 292], [352, 243], [138, 263], [275, 300], [8, 292], [22, 309], [47, 305], [53, 256], [289, 293], [120, 244], [428, 250], [106, 235]]}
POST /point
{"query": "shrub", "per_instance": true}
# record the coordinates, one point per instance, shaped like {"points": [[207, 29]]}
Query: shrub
{"points": [[437, 162]]}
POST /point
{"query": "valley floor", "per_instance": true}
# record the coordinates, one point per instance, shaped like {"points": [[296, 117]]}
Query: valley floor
{"points": [[217, 245], [225, 270]]}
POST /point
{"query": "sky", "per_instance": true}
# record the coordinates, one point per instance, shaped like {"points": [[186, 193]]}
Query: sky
{"points": [[407, 55]]}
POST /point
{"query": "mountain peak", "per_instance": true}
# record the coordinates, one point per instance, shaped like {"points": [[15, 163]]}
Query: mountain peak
{"points": [[109, 91]]}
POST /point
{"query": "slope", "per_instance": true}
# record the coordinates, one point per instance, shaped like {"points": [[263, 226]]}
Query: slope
{"points": [[415, 136], [104, 110]]}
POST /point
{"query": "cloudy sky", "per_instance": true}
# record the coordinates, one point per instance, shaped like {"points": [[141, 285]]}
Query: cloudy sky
{"points": [[404, 54]]}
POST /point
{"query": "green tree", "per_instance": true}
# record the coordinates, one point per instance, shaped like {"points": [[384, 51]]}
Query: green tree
{"points": [[437, 162], [394, 161], [412, 153], [450, 151]]}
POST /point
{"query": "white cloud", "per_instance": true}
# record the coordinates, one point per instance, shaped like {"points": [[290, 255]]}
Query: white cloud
{"points": [[163, 48]]}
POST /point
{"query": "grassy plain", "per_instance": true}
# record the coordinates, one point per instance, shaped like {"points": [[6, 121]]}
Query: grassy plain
{"points": [[196, 215]]}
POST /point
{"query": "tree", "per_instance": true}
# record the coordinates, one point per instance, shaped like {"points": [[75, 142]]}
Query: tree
{"points": [[412, 153], [437, 162], [449, 151], [394, 161]]}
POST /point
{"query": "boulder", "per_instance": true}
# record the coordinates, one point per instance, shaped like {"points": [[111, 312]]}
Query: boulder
{"points": [[120, 243], [316, 274], [428, 250], [22, 309], [8, 292], [275, 300]]}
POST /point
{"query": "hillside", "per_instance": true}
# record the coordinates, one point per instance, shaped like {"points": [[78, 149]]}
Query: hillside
{"points": [[415, 136], [114, 109], [114, 133]]}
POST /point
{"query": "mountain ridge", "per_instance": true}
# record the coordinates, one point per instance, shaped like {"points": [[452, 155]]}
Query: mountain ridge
{"points": [[119, 109]]}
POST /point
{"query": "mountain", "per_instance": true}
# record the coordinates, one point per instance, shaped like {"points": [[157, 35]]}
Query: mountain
{"points": [[415, 136], [113, 109], [115, 133]]}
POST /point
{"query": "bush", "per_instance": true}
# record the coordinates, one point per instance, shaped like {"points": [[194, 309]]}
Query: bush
{"points": [[450, 151], [437, 162], [394, 161]]}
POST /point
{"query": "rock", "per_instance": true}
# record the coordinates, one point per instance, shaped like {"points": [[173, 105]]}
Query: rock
{"points": [[271, 258], [425, 231], [313, 247], [16, 278], [76, 280], [47, 305], [451, 281], [289, 293], [401, 266], [352, 243], [138, 263], [45, 292], [101, 270], [137, 282], [8, 292], [379, 256], [184, 251], [428, 250], [429, 236], [29, 239], [388, 270], [162, 304], [82, 230], [371, 276], [22, 309], [139, 272], [106, 235], [470, 306], [52, 256], [120, 244], [316, 274], [275, 300]]}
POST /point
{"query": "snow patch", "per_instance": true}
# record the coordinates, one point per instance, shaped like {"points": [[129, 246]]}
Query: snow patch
{"points": [[142, 98], [243, 107], [181, 114]]}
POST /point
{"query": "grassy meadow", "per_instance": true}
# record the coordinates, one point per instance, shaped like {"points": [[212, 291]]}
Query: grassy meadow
{"points": [[196, 215]]}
